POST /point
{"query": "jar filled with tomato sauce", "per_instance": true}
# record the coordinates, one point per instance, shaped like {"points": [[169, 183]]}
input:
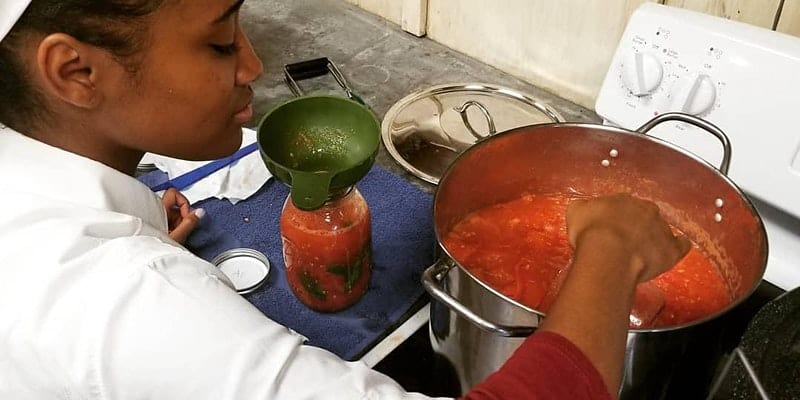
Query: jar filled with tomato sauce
{"points": [[327, 251]]}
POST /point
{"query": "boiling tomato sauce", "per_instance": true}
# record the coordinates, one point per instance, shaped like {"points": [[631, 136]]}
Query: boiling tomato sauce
{"points": [[327, 253], [520, 248]]}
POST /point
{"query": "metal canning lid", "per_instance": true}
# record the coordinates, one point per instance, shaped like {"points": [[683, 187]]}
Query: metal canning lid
{"points": [[425, 131], [246, 268]]}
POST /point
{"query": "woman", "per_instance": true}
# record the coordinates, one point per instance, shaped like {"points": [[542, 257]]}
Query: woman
{"points": [[99, 300]]}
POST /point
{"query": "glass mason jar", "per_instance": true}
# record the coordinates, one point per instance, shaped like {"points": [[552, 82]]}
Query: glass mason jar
{"points": [[327, 251]]}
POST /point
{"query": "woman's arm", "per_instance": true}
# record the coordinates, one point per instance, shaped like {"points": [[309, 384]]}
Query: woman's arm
{"points": [[619, 242]]}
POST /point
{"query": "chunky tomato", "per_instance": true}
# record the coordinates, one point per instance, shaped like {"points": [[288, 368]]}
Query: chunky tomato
{"points": [[520, 248], [327, 252]]}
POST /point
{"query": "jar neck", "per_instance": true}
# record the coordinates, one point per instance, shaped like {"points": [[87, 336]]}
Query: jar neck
{"points": [[339, 194], [334, 199]]}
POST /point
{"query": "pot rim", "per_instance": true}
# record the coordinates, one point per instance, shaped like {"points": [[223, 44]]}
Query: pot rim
{"points": [[561, 125]]}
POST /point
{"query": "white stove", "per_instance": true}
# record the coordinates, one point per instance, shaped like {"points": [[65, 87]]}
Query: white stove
{"points": [[745, 80]]}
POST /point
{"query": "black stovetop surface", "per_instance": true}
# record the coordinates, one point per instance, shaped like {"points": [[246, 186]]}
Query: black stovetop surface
{"points": [[771, 347]]}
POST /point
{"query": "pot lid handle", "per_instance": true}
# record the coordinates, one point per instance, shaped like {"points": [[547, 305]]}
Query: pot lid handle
{"points": [[432, 278], [700, 123], [428, 129], [464, 117]]}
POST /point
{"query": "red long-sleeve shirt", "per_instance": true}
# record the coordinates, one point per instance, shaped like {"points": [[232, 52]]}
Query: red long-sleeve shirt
{"points": [[546, 366]]}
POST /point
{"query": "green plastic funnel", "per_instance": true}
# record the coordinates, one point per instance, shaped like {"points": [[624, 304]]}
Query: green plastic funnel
{"points": [[318, 145]]}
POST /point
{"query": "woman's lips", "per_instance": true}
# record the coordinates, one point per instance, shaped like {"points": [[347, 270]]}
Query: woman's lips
{"points": [[244, 115]]}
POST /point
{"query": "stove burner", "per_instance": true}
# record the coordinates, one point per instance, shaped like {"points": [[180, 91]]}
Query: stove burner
{"points": [[771, 345]]}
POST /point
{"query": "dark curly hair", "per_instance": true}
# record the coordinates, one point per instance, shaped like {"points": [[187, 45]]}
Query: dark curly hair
{"points": [[115, 25]]}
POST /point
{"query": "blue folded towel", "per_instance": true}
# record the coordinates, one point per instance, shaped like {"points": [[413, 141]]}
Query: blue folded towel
{"points": [[403, 245]]}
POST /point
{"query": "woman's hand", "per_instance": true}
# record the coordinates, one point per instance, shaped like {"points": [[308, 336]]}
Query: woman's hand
{"points": [[181, 219], [627, 226]]}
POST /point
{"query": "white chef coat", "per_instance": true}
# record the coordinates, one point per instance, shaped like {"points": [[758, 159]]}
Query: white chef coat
{"points": [[97, 302]]}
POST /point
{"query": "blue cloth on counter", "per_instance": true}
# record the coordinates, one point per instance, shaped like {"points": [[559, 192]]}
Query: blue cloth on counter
{"points": [[403, 246]]}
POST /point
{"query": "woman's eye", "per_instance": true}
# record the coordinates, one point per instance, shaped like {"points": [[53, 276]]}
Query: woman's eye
{"points": [[226, 49]]}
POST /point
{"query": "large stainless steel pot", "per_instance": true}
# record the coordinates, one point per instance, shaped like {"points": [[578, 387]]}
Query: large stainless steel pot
{"points": [[476, 328]]}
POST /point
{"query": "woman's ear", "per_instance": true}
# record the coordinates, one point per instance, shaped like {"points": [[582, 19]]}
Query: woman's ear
{"points": [[69, 70]]}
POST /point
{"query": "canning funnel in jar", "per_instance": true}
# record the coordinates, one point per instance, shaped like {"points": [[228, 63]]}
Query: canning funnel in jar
{"points": [[321, 146]]}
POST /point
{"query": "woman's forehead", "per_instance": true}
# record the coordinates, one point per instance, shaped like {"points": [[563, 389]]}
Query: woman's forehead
{"points": [[182, 20]]}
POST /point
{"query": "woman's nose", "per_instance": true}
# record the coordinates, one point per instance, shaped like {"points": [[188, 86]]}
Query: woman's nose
{"points": [[250, 66]]}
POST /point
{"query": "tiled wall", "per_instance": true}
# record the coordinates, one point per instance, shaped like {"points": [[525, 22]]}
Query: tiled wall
{"points": [[564, 46]]}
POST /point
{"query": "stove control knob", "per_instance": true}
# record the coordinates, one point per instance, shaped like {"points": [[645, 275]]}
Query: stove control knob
{"points": [[641, 73], [696, 95]]}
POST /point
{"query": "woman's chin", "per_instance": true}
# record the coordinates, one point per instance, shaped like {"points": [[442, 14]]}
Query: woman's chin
{"points": [[212, 151], [228, 145], [222, 150]]}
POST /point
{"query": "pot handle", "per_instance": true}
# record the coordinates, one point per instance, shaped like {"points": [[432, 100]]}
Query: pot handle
{"points": [[312, 69], [700, 123], [432, 281]]}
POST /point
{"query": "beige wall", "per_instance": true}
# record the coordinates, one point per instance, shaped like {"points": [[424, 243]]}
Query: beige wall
{"points": [[389, 9], [789, 20], [564, 46], [756, 12]]}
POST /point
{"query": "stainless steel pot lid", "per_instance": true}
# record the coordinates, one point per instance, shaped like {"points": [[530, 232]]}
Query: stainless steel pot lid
{"points": [[425, 131]]}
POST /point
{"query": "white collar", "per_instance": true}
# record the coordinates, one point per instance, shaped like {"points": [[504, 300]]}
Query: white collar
{"points": [[10, 11], [30, 166]]}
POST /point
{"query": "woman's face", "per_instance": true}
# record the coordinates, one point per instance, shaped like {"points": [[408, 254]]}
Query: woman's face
{"points": [[191, 93]]}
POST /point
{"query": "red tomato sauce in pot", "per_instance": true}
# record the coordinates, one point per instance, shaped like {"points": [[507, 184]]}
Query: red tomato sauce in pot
{"points": [[520, 248]]}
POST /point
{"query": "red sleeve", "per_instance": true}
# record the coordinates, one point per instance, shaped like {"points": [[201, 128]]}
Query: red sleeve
{"points": [[547, 366]]}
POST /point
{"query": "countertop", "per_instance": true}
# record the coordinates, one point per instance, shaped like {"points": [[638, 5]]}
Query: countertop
{"points": [[381, 62]]}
